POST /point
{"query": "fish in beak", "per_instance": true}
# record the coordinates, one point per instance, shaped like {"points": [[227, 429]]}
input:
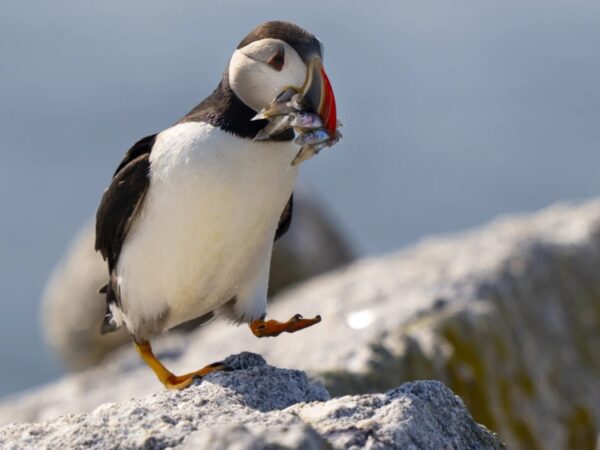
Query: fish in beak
{"points": [[309, 109]]}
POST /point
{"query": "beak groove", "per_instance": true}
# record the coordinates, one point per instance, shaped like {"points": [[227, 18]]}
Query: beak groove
{"points": [[318, 91]]}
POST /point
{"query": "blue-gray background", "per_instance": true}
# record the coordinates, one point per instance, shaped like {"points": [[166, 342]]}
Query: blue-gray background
{"points": [[455, 112]]}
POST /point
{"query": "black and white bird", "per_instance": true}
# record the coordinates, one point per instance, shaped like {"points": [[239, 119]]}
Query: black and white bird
{"points": [[188, 223]]}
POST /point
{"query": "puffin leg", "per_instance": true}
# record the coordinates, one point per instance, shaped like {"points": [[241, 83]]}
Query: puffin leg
{"points": [[166, 377], [271, 328]]}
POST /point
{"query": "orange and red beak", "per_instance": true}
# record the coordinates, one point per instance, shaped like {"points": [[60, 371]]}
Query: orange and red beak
{"points": [[318, 91]]}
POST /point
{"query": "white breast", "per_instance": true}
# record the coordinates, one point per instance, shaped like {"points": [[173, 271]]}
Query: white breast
{"points": [[205, 231]]}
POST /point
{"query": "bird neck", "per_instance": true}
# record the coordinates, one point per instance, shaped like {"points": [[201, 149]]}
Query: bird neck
{"points": [[223, 109]]}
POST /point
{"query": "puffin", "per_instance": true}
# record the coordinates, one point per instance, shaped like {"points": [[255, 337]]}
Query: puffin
{"points": [[188, 222]]}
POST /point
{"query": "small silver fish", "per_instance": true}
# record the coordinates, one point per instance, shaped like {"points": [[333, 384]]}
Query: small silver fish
{"points": [[291, 110], [298, 102], [305, 120], [279, 106], [274, 110], [285, 95], [308, 152], [312, 137], [275, 126]]}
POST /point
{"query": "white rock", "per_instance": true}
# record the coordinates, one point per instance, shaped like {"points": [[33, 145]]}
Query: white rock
{"points": [[258, 407], [507, 315]]}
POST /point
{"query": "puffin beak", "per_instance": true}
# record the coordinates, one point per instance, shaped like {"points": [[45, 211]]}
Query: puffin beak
{"points": [[318, 91]]}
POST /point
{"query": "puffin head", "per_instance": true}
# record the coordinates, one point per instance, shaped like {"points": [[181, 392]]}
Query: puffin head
{"points": [[275, 56]]}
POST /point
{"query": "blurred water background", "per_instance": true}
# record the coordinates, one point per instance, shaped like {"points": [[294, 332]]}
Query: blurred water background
{"points": [[455, 112]]}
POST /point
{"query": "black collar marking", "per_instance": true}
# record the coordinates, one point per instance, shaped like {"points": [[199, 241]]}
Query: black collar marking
{"points": [[223, 109]]}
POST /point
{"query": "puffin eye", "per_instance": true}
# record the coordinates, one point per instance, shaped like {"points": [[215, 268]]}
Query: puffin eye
{"points": [[277, 60]]}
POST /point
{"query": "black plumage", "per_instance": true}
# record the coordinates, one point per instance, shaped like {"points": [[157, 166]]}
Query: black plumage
{"points": [[122, 199]]}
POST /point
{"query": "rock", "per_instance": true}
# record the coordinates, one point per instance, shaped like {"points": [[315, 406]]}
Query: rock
{"points": [[241, 437], [72, 309], [257, 407], [508, 316]]}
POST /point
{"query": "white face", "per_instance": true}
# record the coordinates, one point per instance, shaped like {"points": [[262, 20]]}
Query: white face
{"points": [[262, 69]]}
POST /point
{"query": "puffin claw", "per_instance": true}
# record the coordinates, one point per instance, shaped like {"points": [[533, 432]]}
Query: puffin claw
{"points": [[272, 328]]}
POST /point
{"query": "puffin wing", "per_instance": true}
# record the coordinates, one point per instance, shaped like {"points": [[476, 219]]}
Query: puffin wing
{"points": [[122, 200], [285, 219]]}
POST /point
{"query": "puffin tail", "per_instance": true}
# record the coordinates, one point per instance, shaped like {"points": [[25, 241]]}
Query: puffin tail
{"points": [[108, 324]]}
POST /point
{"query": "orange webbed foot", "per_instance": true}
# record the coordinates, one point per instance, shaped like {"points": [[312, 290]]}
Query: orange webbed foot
{"points": [[179, 382], [271, 328], [166, 377]]}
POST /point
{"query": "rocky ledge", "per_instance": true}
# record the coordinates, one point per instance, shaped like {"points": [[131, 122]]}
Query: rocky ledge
{"points": [[258, 406], [508, 316]]}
